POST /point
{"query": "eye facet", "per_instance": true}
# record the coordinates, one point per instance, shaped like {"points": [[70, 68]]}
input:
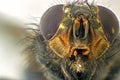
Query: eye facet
{"points": [[50, 21], [109, 22]]}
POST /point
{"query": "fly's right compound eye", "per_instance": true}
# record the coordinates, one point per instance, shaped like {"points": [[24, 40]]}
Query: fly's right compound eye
{"points": [[50, 21], [109, 22]]}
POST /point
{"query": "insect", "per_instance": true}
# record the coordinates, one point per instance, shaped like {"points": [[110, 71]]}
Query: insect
{"points": [[76, 41]]}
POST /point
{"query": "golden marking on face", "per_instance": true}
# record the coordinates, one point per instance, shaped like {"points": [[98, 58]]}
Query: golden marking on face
{"points": [[63, 48]]}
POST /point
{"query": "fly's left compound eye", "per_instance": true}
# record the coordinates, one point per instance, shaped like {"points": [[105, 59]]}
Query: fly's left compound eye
{"points": [[109, 22], [50, 21]]}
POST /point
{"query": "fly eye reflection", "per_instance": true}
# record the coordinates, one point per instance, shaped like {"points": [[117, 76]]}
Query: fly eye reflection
{"points": [[50, 21]]}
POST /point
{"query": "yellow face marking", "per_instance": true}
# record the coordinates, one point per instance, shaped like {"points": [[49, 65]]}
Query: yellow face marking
{"points": [[62, 26], [67, 10]]}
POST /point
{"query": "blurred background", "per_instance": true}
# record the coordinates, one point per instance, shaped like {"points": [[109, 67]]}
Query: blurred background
{"points": [[25, 9], [28, 11]]}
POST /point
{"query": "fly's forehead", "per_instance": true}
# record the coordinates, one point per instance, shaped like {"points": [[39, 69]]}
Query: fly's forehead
{"points": [[75, 10], [89, 12]]}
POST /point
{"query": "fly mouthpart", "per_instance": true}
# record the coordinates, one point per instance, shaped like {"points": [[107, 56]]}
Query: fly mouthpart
{"points": [[82, 53]]}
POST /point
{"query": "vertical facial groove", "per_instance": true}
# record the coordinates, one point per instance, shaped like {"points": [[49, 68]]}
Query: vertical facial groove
{"points": [[80, 28]]}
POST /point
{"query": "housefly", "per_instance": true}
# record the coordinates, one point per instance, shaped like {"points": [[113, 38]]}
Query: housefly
{"points": [[74, 41]]}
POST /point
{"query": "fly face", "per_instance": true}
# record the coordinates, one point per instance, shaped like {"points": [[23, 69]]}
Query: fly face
{"points": [[79, 40], [80, 32]]}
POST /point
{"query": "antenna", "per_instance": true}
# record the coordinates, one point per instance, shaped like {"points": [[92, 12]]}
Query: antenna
{"points": [[86, 1]]}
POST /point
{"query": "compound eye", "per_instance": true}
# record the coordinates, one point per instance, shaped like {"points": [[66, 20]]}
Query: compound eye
{"points": [[50, 21], [109, 22]]}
